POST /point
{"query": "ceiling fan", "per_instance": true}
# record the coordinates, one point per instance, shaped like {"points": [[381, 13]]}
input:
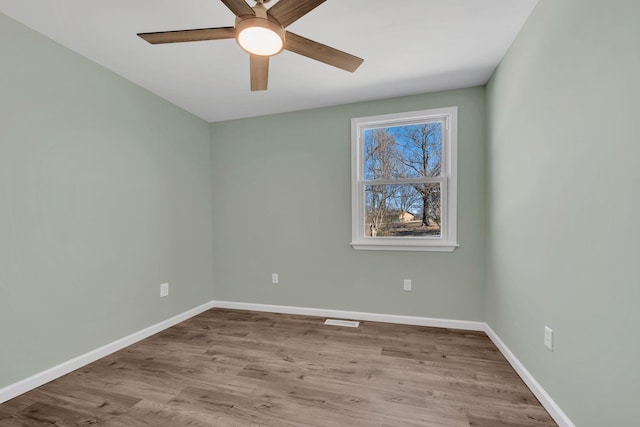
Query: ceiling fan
{"points": [[261, 32]]}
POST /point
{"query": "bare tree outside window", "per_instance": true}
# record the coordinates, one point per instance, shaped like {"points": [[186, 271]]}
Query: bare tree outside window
{"points": [[403, 153]]}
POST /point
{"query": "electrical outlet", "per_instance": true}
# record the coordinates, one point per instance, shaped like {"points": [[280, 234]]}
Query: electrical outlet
{"points": [[274, 278], [548, 338], [164, 289], [407, 284]]}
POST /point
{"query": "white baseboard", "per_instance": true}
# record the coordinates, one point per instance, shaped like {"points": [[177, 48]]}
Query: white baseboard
{"points": [[355, 315], [16, 389], [554, 410], [34, 381]]}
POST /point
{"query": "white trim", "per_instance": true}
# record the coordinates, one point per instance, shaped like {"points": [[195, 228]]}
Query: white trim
{"points": [[406, 246], [23, 386], [355, 315], [41, 378], [448, 181], [552, 407]]}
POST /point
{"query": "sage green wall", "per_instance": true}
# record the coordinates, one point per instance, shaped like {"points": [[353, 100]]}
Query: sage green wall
{"points": [[283, 205], [104, 194], [564, 210]]}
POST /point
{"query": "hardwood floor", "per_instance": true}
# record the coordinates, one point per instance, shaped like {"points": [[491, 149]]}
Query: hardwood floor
{"points": [[240, 368]]}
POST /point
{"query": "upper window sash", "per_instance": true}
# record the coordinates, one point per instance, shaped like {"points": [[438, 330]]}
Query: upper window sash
{"points": [[443, 119]]}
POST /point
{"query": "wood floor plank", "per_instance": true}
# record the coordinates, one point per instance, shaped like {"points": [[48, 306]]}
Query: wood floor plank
{"points": [[247, 369]]}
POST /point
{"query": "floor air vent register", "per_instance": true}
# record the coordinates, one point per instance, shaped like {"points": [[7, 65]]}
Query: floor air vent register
{"points": [[345, 323]]}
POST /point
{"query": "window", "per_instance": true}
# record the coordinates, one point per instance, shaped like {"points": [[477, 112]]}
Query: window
{"points": [[404, 181]]}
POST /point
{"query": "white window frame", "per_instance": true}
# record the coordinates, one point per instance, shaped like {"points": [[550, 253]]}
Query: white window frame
{"points": [[447, 241]]}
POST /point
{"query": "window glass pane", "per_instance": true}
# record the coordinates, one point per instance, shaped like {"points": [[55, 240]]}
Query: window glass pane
{"points": [[380, 155], [408, 151], [403, 210]]}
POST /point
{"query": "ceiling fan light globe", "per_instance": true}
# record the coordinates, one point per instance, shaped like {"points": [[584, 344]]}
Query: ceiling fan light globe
{"points": [[260, 36]]}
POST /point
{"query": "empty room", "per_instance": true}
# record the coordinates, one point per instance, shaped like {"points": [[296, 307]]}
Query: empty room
{"points": [[319, 213]]}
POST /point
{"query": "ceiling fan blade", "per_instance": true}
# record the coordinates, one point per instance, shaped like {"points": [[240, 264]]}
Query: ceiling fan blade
{"points": [[189, 35], [321, 52], [289, 11], [238, 7], [259, 72]]}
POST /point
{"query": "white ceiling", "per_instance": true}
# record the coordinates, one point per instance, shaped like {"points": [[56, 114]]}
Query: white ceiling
{"points": [[409, 47]]}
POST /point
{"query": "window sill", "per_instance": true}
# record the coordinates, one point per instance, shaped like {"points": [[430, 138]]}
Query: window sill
{"points": [[399, 245]]}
